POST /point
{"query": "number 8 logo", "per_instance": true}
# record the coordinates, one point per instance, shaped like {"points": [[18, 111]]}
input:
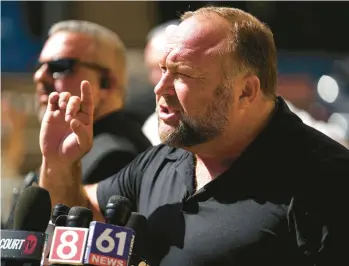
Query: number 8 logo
{"points": [[71, 244]]}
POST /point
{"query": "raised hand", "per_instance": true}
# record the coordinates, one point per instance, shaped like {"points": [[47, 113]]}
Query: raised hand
{"points": [[66, 132]]}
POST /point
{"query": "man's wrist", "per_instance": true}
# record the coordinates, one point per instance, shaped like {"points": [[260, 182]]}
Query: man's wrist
{"points": [[67, 172], [48, 165], [63, 181]]}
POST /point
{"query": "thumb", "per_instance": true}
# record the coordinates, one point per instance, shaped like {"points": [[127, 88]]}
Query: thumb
{"points": [[83, 136]]}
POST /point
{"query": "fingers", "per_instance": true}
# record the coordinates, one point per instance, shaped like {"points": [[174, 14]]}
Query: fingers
{"points": [[87, 100], [63, 100], [73, 107], [53, 101], [82, 134]]}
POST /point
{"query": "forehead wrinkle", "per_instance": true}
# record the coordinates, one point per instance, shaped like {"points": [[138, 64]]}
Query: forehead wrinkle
{"points": [[181, 56], [197, 58]]}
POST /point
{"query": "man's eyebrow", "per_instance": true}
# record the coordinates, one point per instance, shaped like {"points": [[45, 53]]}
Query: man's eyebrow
{"points": [[175, 65], [176, 62]]}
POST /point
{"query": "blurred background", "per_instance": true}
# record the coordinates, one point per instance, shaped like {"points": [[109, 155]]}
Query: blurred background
{"points": [[310, 37]]}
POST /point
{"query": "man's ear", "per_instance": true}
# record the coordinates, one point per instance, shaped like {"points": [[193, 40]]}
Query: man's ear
{"points": [[108, 81], [108, 85], [251, 88]]}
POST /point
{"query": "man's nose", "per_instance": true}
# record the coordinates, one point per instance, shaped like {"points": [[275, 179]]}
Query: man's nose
{"points": [[165, 86]]}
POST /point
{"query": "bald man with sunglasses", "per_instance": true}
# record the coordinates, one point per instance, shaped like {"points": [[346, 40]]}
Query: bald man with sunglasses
{"points": [[81, 50]]}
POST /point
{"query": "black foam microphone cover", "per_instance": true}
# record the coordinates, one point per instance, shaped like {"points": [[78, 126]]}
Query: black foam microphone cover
{"points": [[33, 210], [118, 210], [79, 217], [61, 220], [58, 210], [139, 223]]}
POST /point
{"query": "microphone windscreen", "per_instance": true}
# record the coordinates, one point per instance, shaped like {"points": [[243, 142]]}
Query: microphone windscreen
{"points": [[118, 210], [119, 200], [61, 220], [59, 209], [33, 210], [79, 217], [139, 224]]}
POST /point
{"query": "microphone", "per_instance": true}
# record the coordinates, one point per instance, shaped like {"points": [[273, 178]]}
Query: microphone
{"points": [[61, 220], [24, 244], [69, 241], [111, 244], [58, 209], [139, 224], [118, 210]]}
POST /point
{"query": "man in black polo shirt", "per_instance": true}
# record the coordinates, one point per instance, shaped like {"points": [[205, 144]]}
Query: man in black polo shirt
{"points": [[239, 180]]}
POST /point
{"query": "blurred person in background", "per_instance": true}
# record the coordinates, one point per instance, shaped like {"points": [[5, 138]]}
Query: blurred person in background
{"points": [[13, 122], [82, 50], [156, 40]]}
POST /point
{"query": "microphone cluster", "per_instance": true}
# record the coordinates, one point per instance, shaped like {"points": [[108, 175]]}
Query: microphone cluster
{"points": [[70, 236]]}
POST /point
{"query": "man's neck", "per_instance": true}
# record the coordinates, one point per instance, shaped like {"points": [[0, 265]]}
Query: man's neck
{"points": [[214, 158]]}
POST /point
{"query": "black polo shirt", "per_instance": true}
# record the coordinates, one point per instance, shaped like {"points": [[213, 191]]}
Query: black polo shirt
{"points": [[117, 140], [280, 203]]}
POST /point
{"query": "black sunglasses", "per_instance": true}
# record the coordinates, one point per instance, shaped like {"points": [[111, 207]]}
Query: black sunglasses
{"points": [[65, 66]]}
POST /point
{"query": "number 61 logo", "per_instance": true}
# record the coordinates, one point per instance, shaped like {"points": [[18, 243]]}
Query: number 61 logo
{"points": [[105, 238], [110, 240]]}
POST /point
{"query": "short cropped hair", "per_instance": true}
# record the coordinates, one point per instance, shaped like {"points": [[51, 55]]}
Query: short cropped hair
{"points": [[100, 34], [251, 44]]}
